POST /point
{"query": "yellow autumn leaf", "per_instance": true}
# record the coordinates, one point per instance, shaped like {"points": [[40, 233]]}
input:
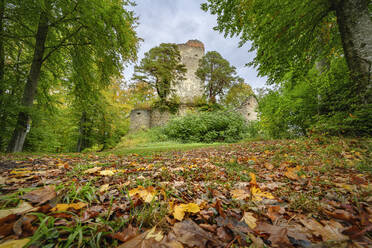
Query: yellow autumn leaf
{"points": [[92, 170], [65, 207], [20, 172], [104, 188], [239, 194], [147, 194], [152, 234], [291, 173], [249, 219], [253, 178], [107, 172], [257, 194], [348, 187], [19, 243], [179, 210]]}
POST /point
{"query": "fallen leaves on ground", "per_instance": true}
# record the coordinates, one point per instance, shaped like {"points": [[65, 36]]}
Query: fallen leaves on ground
{"points": [[21, 208], [14, 243], [65, 207], [147, 194], [307, 193], [180, 210]]}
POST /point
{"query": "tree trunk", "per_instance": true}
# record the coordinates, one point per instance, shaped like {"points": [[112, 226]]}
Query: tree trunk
{"points": [[81, 144], [355, 26], [2, 64], [23, 122]]}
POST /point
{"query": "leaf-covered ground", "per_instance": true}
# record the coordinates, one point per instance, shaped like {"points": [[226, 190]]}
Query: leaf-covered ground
{"points": [[296, 193]]}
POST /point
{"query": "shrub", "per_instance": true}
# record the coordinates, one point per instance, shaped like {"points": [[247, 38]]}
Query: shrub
{"points": [[218, 126]]}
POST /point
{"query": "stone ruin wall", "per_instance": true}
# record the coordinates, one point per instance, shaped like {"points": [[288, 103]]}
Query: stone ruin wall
{"points": [[192, 87], [248, 109], [140, 119]]}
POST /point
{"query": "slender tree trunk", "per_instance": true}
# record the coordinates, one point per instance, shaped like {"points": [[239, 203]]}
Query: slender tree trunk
{"points": [[355, 26], [82, 132], [2, 54], [23, 122], [2, 64]]}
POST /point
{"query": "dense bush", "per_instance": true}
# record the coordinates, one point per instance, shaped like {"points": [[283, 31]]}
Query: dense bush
{"points": [[218, 126]]}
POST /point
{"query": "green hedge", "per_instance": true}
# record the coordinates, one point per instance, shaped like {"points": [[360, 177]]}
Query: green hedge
{"points": [[208, 127]]}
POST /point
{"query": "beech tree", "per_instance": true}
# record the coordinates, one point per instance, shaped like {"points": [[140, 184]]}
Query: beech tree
{"points": [[59, 37], [294, 34], [217, 74], [161, 68]]}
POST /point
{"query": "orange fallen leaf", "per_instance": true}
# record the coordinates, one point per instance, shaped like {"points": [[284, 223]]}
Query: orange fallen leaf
{"points": [[291, 173]]}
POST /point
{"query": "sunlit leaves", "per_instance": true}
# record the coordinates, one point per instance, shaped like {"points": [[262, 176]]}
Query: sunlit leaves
{"points": [[65, 207], [180, 210], [147, 194]]}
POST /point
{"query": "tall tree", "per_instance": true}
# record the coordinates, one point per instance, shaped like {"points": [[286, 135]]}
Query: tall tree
{"points": [[217, 74], [100, 32], [285, 34], [161, 68], [238, 94]]}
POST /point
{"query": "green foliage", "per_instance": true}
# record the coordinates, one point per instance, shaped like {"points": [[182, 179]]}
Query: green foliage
{"points": [[237, 94], [324, 103], [299, 48], [284, 34], [170, 105], [161, 68], [217, 74], [219, 126]]}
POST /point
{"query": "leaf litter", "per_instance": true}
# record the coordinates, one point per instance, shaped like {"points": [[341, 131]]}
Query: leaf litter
{"points": [[259, 194]]}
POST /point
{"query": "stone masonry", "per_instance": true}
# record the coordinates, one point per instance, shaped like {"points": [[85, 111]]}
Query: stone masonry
{"points": [[248, 109], [192, 87]]}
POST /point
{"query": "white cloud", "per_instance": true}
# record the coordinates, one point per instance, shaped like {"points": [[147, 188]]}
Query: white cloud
{"points": [[177, 21]]}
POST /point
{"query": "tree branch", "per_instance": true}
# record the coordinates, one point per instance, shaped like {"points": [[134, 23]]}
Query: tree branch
{"points": [[62, 43]]}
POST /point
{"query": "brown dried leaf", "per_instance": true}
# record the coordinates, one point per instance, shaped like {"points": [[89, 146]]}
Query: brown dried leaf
{"points": [[278, 235], [331, 231], [223, 235], [41, 195], [239, 194], [189, 233], [22, 208]]}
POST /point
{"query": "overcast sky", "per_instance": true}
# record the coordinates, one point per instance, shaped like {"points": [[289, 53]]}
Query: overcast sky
{"points": [[177, 21]]}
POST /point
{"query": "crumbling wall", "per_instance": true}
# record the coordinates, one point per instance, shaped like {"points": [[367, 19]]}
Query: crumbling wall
{"points": [[248, 109], [140, 119], [159, 117], [192, 87]]}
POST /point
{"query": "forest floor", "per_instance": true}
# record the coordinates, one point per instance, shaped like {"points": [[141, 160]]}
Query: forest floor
{"points": [[313, 192]]}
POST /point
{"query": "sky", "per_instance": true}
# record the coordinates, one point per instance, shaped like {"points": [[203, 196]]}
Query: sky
{"points": [[177, 21]]}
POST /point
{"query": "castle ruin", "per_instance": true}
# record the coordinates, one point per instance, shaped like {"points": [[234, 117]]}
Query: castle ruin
{"points": [[192, 87], [188, 90]]}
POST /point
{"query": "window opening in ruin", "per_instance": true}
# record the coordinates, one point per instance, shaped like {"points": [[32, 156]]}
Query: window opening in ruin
{"points": [[138, 113]]}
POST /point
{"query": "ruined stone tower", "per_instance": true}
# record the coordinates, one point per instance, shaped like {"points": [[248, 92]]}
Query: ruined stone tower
{"points": [[192, 87], [187, 91]]}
